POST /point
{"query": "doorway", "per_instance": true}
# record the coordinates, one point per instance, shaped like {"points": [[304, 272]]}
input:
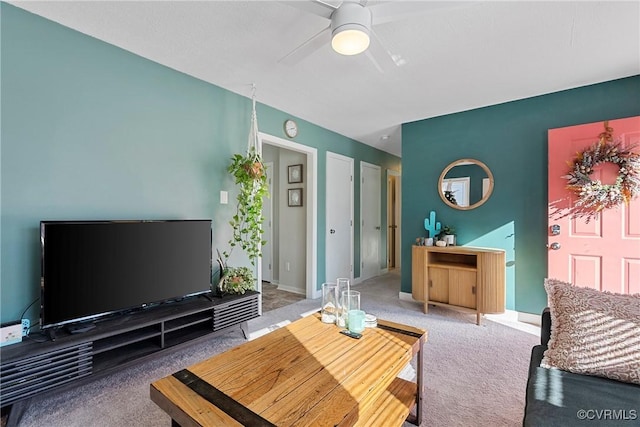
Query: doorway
{"points": [[308, 210], [370, 220], [604, 252], [393, 219]]}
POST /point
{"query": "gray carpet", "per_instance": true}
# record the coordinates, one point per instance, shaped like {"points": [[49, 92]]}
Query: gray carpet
{"points": [[475, 375]]}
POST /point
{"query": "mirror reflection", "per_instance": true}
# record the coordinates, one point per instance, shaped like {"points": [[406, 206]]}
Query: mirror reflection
{"points": [[465, 184]]}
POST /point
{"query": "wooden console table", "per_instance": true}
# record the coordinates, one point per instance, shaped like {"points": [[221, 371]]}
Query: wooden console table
{"points": [[465, 278], [306, 373]]}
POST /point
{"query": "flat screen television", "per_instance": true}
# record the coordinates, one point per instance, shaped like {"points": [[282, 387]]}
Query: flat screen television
{"points": [[91, 269]]}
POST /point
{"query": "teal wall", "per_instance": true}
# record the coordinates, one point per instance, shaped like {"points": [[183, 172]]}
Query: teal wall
{"points": [[90, 131], [511, 139]]}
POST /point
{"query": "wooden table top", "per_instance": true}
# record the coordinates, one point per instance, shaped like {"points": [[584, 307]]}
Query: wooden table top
{"points": [[304, 374]]}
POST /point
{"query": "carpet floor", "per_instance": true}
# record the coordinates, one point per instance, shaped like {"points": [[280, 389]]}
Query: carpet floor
{"points": [[475, 375]]}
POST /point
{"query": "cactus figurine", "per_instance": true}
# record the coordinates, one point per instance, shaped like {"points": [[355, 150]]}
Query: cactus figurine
{"points": [[430, 224]]}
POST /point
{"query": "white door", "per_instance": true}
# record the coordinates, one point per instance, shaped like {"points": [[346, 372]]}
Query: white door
{"points": [[267, 229], [339, 232], [370, 220]]}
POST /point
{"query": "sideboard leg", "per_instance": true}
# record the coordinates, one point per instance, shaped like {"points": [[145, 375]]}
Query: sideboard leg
{"points": [[16, 412], [244, 326]]}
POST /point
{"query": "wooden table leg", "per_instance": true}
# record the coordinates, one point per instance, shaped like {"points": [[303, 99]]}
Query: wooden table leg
{"points": [[420, 383]]}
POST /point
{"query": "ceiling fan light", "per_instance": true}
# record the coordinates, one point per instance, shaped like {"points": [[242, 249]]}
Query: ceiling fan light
{"points": [[350, 40], [350, 25]]}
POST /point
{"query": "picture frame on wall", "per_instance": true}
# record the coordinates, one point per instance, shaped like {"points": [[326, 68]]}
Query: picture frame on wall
{"points": [[295, 197], [295, 174]]}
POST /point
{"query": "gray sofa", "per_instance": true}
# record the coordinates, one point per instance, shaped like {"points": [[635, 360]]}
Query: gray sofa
{"points": [[560, 398]]}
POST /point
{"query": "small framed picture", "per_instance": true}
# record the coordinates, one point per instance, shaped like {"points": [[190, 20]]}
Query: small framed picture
{"points": [[295, 197], [295, 174]]}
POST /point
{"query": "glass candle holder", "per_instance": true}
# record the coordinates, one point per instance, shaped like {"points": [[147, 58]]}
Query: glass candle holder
{"points": [[355, 320], [329, 308], [350, 301], [342, 285]]}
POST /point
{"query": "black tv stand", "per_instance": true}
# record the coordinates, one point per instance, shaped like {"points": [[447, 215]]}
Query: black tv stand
{"points": [[79, 328], [31, 368], [51, 334]]}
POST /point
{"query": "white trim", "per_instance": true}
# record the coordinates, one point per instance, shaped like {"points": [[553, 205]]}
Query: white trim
{"points": [[533, 319], [510, 318], [269, 202], [405, 296], [291, 289], [312, 207]]}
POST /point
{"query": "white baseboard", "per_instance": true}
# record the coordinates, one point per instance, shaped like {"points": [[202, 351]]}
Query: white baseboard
{"points": [[523, 321], [288, 288], [533, 319], [405, 296]]}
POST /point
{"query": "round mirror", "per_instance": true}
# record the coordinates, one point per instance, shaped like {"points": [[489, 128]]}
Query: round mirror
{"points": [[465, 184]]}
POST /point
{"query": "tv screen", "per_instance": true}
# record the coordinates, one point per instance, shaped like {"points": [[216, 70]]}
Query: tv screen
{"points": [[94, 268]]}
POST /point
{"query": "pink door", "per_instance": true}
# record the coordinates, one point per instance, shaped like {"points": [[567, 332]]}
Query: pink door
{"points": [[605, 252]]}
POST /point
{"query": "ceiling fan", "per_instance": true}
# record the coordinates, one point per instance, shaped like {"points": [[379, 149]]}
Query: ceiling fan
{"points": [[350, 30]]}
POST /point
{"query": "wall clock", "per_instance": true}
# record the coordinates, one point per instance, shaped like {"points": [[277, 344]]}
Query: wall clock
{"points": [[290, 128]]}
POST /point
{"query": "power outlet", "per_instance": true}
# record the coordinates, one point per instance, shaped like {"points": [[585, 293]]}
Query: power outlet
{"points": [[26, 324]]}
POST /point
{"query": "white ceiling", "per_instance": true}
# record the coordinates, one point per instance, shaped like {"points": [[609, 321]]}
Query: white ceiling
{"points": [[457, 55]]}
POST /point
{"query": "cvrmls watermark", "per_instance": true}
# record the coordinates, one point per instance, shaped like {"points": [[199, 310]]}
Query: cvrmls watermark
{"points": [[607, 414]]}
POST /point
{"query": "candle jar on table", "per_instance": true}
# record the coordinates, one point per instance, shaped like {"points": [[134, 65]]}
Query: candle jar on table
{"points": [[342, 285], [329, 309], [350, 301]]}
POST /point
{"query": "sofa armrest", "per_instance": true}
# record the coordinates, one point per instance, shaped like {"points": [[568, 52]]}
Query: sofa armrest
{"points": [[545, 330]]}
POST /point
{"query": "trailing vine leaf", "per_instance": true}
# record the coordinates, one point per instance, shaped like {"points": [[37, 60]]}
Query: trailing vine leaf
{"points": [[249, 173]]}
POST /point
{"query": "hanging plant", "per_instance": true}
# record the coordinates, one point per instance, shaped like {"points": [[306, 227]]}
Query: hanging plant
{"points": [[593, 195], [250, 174]]}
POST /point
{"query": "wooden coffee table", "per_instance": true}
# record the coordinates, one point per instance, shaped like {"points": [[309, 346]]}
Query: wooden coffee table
{"points": [[304, 374]]}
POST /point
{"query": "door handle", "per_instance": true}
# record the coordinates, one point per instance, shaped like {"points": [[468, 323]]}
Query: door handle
{"points": [[332, 231], [554, 246], [377, 228]]}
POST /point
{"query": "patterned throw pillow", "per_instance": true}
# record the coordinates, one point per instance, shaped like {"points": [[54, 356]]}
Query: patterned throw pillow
{"points": [[593, 333]]}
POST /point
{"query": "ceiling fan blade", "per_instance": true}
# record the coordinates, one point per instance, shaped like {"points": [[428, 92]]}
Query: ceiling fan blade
{"points": [[316, 7], [396, 10], [308, 47], [380, 56]]}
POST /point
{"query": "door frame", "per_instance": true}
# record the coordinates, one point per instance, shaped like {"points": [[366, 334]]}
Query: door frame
{"points": [[311, 176], [269, 202], [363, 165], [390, 206], [351, 161]]}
